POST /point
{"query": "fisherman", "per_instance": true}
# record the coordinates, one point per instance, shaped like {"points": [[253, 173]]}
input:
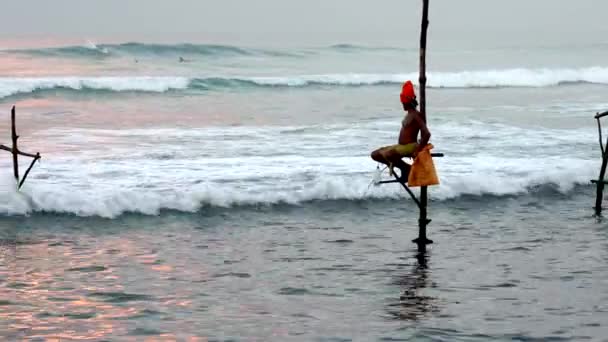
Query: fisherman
{"points": [[408, 144]]}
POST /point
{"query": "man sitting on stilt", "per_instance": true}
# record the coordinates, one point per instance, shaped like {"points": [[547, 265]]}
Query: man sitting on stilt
{"points": [[408, 145]]}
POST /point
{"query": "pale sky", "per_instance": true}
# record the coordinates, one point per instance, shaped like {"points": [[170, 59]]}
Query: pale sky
{"points": [[305, 22]]}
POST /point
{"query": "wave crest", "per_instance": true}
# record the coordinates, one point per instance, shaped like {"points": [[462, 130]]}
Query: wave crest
{"points": [[106, 200], [18, 86], [90, 49], [10, 86]]}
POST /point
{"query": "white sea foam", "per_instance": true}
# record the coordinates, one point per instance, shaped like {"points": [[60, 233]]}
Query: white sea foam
{"points": [[10, 86], [89, 44], [496, 177], [464, 79], [14, 86], [201, 168]]}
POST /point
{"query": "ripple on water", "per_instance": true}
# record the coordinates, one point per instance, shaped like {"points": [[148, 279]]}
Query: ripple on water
{"points": [[87, 269], [293, 259], [501, 285], [303, 315], [75, 315], [18, 285], [139, 331], [339, 267], [142, 314], [374, 237], [294, 291], [232, 274], [119, 297], [340, 241], [60, 299]]}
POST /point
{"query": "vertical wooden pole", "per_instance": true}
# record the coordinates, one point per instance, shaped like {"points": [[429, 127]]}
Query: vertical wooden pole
{"points": [[422, 76], [600, 189], [600, 182], [423, 221], [15, 151]]}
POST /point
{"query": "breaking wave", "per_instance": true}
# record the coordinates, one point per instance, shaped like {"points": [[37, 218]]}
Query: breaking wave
{"points": [[92, 50], [10, 86], [106, 200], [19, 86], [148, 170], [345, 47]]}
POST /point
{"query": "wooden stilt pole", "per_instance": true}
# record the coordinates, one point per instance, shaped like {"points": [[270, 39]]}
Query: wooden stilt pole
{"points": [[423, 221], [422, 202], [15, 150], [422, 76], [600, 181], [599, 196], [27, 172]]}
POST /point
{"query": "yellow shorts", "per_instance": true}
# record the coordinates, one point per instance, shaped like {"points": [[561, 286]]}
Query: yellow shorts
{"points": [[402, 150]]}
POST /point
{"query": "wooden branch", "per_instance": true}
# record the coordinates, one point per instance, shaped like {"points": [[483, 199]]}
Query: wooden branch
{"points": [[599, 128], [601, 115], [21, 153], [15, 150], [404, 185], [28, 170], [28, 154], [407, 188]]}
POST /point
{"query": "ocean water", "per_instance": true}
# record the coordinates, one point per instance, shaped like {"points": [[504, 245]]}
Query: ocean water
{"points": [[228, 197]]}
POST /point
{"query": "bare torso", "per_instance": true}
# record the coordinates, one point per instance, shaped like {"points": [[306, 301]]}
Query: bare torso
{"points": [[409, 129]]}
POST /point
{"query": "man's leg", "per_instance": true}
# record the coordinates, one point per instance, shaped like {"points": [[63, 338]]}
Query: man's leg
{"points": [[394, 158], [388, 155], [378, 155]]}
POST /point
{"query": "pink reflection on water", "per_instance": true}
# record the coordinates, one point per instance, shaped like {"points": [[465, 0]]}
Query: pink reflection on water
{"points": [[22, 65], [52, 287]]}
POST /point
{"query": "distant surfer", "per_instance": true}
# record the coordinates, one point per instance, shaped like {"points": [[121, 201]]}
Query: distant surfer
{"points": [[181, 59], [408, 144]]}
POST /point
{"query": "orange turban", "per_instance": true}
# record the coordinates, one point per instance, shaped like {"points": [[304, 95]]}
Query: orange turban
{"points": [[407, 93]]}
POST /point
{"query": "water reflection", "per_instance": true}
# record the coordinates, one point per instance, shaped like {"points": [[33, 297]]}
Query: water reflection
{"points": [[63, 289], [413, 304]]}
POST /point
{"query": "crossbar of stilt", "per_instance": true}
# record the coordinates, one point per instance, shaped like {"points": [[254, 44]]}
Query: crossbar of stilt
{"points": [[601, 115]]}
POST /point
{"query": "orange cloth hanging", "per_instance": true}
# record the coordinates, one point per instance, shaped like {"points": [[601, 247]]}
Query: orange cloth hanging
{"points": [[423, 171]]}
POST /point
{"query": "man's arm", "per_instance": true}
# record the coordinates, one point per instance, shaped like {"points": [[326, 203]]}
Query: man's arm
{"points": [[425, 134]]}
